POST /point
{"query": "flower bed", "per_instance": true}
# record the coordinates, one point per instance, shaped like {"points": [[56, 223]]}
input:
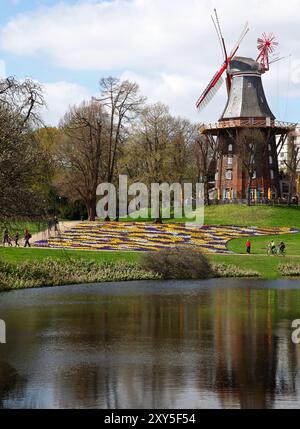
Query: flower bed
{"points": [[119, 236]]}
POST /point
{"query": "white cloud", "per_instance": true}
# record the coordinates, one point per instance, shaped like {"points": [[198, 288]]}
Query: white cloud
{"points": [[178, 91], [59, 97], [168, 46]]}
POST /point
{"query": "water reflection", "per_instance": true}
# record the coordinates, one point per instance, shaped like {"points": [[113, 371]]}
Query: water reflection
{"points": [[8, 381], [176, 345]]}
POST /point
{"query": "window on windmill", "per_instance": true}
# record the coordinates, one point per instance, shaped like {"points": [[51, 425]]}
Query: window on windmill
{"points": [[272, 174], [270, 147], [254, 175], [228, 175], [270, 160], [230, 160], [230, 147]]}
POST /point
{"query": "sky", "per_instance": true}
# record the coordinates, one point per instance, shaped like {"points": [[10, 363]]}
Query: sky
{"points": [[169, 47]]}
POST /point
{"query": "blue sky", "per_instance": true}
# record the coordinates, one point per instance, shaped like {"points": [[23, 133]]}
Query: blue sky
{"points": [[168, 46]]}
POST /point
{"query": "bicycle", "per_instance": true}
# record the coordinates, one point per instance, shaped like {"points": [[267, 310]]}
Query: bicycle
{"points": [[271, 251], [281, 251]]}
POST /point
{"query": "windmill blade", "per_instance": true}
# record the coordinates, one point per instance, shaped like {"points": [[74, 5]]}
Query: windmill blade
{"points": [[217, 81], [218, 34], [219, 31], [237, 45], [210, 91]]}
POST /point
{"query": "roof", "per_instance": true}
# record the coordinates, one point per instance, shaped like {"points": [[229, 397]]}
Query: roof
{"points": [[247, 97]]}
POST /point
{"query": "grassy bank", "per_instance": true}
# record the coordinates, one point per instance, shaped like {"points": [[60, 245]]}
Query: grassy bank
{"points": [[56, 272], [64, 262]]}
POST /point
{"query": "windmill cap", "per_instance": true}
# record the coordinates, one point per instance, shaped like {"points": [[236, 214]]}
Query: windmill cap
{"points": [[244, 64]]}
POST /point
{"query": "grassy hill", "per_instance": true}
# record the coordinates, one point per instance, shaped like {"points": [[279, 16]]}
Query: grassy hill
{"points": [[242, 215], [261, 216]]}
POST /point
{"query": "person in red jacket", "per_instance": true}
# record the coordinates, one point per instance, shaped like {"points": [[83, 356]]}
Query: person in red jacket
{"points": [[248, 247]]}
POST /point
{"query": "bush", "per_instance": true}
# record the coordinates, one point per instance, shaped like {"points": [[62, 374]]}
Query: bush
{"points": [[289, 270], [177, 263], [223, 270]]}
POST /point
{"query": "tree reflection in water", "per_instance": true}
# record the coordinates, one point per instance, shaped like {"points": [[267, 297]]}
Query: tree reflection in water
{"points": [[191, 347], [9, 381]]}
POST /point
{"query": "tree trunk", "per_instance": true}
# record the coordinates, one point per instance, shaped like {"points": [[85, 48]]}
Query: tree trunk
{"points": [[91, 209], [206, 192], [249, 191], [159, 219], [292, 183]]}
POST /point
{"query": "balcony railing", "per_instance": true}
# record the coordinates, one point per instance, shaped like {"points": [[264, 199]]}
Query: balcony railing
{"points": [[249, 123]]}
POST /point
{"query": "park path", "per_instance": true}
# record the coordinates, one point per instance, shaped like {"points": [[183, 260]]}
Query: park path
{"points": [[44, 235]]}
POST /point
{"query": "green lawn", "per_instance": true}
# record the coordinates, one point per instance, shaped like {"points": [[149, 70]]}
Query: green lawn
{"points": [[19, 255], [259, 244], [267, 266], [261, 216]]}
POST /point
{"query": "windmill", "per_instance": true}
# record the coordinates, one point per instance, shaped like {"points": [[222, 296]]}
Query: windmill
{"points": [[246, 120], [266, 45]]}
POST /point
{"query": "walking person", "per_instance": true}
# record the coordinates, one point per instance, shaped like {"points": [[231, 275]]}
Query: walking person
{"points": [[50, 225], [248, 247], [27, 237], [9, 241], [17, 239], [56, 225], [5, 237]]}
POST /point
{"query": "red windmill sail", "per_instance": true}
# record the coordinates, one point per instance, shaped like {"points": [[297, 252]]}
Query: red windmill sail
{"points": [[218, 80]]}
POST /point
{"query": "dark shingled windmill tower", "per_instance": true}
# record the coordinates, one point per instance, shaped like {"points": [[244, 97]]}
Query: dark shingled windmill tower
{"points": [[247, 134]]}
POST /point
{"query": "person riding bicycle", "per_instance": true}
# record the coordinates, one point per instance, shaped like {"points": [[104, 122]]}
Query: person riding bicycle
{"points": [[281, 248], [272, 248]]}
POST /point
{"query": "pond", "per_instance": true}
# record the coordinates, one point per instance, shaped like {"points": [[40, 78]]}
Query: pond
{"points": [[192, 344]]}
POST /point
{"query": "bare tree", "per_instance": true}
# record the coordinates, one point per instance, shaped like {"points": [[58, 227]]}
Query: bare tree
{"points": [[20, 160], [250, 146], [122, 102], [206, 151], [292, 164], [25, 98], [160, 149], [83, 153], [19, 155]]}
